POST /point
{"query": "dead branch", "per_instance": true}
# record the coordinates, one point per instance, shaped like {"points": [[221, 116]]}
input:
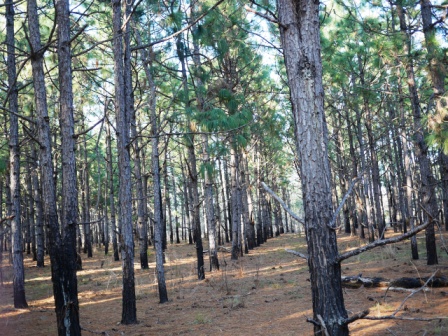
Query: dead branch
{"points": [[390, 317], [322, 324], [283, 204], [394, 316], [357, 316], [75, 136], [264, 16], [381, 242], [299, 254], [404, 283], [338, 210], [413, 292]]}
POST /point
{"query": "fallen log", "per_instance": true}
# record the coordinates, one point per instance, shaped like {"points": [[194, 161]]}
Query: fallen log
{"points": [[405, 282]]}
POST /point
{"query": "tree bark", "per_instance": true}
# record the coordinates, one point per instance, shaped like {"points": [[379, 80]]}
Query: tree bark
{"points": [[110, 182], [234, 201], [129, 310], [301, 47], [14, 165], [37, 192], [427, 189], [158, 237]]}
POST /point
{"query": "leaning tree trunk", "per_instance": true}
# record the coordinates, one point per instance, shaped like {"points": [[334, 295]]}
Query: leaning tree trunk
{"points": [[14, 165], [301, 47]]}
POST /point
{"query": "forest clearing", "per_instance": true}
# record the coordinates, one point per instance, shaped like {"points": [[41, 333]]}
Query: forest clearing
{"points": [[265, 292]]}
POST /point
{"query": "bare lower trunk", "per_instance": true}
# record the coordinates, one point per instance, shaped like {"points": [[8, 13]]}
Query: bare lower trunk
{"points": [[37, 192], [122, 94], [158, 235], [234, 203], [427, 189], [110, 182], [14, 165], [301, 47]]}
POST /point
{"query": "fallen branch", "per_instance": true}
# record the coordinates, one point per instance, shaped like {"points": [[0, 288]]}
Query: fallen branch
{"points": [[414, 292], [358, 316], [390, 317], [283, 204], [382, 242], [299, 254], [401, 283]]}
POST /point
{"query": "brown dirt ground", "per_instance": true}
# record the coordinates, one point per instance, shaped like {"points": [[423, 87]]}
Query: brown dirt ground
{"points": [[264, 293]]}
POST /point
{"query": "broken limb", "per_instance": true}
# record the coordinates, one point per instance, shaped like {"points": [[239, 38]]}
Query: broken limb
{"points": [[382, 242], [299, 254], [283, 204], [335, 215]]}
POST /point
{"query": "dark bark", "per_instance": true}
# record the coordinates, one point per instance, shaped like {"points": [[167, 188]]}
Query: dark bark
{"points": [[69, 219], [234, 202], [37, 192], [85, 189], [129, 310], [14, 165], [110, 189], [427, 189], [301, 47]]}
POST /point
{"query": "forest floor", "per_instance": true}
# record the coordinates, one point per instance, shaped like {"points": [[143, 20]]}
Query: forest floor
{"points": [[264, 293]]}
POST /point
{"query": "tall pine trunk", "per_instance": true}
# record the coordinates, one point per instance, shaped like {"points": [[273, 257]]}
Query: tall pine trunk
{"points": [[14, 165], [129, 310], [301, 47]]}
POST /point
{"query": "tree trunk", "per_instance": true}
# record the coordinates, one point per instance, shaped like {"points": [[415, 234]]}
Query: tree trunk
{"points": [[234, 202], [37, 192], [193, 177], [14, 165], [69, 183], [176, 213], [110, 188], [122, 110], [142, 225], [158, 236], [427, 189], [86, 204], [301, 47]]}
